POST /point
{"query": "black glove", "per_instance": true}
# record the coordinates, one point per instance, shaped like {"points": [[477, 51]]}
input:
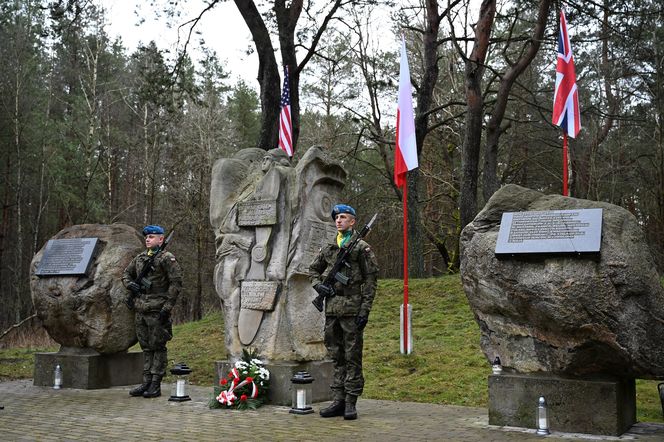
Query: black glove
{"points": [[129, 300], [361, 322], [164, 316], [134, 287], [324, 289]]}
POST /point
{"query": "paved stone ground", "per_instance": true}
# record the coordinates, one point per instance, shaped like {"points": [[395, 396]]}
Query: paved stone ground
{"points": [[42, 414]]}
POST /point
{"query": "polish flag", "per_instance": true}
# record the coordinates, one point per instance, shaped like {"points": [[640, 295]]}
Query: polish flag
{"points": [[405, 155]]}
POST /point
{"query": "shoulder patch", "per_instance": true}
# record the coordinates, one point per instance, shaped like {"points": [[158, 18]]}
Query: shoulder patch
{"points": [[173, 258]]}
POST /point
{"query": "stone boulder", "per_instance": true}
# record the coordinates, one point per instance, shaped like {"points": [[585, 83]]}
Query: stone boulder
{"points": [[569, 315], [88, 312]]}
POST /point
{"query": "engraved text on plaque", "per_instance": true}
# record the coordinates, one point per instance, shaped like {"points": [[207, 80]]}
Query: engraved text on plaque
{"points": [[67, 257], [257, 213], [259, 295], [554, 231]]}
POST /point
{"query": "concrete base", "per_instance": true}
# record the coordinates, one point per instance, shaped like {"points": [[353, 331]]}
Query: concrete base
{"points": [[281, 372], [605, 406], [87, 369]]}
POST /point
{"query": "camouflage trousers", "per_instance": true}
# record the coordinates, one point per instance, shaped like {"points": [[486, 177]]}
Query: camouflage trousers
{"points": [[344, 342], [153, 334]]}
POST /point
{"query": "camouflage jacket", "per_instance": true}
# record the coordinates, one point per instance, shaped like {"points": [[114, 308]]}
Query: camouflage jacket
{"points": [[165, 281], [357, 297]]}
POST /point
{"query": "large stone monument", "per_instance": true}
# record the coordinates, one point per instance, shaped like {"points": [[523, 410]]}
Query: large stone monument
{"points": [[270, 219], [78, 294], [568, 323]]}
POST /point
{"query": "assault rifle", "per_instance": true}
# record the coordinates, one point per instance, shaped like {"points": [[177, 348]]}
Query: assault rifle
{"points": [[335, 274], [141, 280]]}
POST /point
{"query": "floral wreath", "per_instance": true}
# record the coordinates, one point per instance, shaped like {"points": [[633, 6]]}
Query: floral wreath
{"points": [[245, 386]]}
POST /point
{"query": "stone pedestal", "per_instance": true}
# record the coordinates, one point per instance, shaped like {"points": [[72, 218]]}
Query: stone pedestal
{"points": [[87, 369], [605, 406], [281, 372]]}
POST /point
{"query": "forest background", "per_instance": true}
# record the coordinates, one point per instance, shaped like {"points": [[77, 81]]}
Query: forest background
{"points": [[93, 132]]}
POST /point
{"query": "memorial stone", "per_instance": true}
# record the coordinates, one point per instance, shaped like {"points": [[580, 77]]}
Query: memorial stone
{"points": [[85, 312], [578, 328], [270, 219], [556, 313]]}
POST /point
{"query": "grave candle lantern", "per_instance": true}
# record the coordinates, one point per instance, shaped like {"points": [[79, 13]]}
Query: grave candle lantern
{"points": [[302, 393]]}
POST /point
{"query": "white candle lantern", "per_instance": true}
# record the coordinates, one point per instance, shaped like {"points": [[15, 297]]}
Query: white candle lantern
{"points": [[542, 418], [496, 367], [179, 391], [57, 377], [302, 393]]}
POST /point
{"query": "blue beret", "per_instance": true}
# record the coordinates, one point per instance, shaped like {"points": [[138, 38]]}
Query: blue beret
{"points": [[342, 208], [154, 230]]}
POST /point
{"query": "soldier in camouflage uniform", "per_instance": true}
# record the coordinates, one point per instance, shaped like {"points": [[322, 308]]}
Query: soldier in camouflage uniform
{"points": [[347, 310], [153, 301]]}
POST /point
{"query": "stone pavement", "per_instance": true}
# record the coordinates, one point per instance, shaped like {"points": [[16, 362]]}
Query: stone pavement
{"points": [[42, 414]]}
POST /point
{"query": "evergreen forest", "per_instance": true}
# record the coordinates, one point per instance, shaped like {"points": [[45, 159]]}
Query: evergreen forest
{"points": [[92, 131]]}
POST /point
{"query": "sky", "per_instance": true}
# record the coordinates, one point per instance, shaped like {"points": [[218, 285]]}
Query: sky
{"points": [[222, 28]]}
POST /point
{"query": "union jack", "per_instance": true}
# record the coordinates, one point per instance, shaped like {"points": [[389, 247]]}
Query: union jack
{"points": [[566, 97], [285, 123]]}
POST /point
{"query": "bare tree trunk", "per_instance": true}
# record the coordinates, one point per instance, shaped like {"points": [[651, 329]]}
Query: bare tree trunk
{"points": [[146, 162], [197, 302], [493, 128], [268, 74], [268, 71], [424, 101], [470, 154], [18, 263], [43, 197], [4, 226]]}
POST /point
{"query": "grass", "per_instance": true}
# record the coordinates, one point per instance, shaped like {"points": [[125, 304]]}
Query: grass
{"points": [[446, 366]]}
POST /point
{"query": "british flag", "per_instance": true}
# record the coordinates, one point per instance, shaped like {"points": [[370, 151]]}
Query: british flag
{"points": [[285, 122], [566, 96]]}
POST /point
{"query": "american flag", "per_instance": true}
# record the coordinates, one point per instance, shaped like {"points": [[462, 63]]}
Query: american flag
{"points": [[566, 96], [285, 122]]}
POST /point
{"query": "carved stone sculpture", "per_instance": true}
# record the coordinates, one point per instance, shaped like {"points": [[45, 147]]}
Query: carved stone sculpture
{"points": [[88, 311], [569, 315], [269, 220]]}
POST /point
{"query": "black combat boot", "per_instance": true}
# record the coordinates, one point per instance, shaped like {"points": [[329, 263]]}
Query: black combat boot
{"points": [[138, 391], [335, 409], [350, 413], [154, 390]]}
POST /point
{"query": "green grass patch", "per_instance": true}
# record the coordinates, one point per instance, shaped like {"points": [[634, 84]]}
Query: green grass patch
{"points": [[19, 363], [447, 365]]}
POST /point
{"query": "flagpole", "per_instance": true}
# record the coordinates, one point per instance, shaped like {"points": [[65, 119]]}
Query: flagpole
{"points": [[565, 170], [406, 329], [405, 159]]}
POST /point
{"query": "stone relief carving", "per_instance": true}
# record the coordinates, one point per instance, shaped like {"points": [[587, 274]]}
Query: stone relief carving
{"points": [[270, 219]]}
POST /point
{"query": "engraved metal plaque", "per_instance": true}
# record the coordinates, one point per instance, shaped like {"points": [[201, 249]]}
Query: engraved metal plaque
{"points": [[257, 213], [67, 257], [555, 231], [259, 295]]}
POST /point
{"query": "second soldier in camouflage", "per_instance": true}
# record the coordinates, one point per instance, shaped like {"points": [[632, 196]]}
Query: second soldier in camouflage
{"points": [[153, 298], [347, 309]]}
